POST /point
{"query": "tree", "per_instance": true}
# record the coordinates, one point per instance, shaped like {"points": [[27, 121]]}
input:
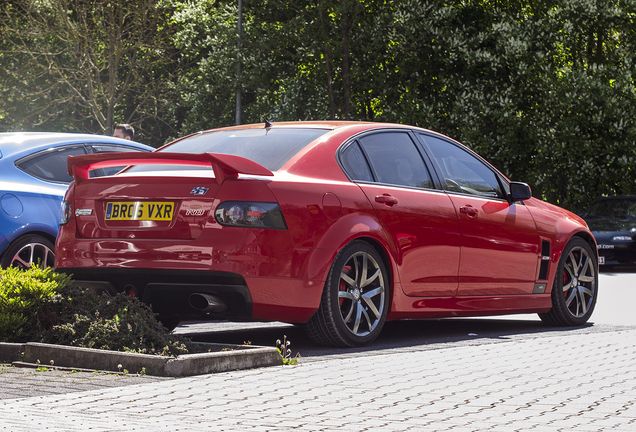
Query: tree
{"points": [[88, 58], [543, 89]]}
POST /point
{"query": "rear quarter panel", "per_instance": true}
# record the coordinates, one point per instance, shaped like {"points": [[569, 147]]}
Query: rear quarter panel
{"points": [[322, 217]]}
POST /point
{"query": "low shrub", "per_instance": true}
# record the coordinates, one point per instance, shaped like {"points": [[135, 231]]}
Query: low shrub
{"points": [[22, 296], [43, 306]]}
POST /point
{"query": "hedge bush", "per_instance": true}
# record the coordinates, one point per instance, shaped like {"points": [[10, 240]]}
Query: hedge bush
{"points": [[23, 294], [39, 305]]}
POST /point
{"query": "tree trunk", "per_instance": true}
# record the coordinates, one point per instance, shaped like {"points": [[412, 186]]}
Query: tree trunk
{"points": [[346, 68], [325, 44]]}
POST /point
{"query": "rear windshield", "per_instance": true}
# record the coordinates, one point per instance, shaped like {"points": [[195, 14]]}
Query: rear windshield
{"points": [[271, 148]]}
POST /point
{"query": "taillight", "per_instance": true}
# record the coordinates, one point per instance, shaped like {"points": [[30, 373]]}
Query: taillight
{"points": [[65, 213], [250, 214]]}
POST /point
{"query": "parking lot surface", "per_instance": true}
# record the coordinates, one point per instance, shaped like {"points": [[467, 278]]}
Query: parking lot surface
{"points": [[582, 382], [506, 376]]}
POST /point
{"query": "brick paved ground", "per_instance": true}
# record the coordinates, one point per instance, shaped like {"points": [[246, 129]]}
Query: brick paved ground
{"points": [[26, 382], [570, 382]]}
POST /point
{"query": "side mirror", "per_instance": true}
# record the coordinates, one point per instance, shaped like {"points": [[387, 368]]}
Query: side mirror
{"points": [[519, 191]]}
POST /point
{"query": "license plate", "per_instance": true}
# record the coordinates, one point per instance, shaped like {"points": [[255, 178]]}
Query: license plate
{"points": [[601, 260], [142, 211]]}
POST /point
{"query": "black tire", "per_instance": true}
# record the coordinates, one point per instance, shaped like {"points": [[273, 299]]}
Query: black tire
{"points": [[354, 305], [29, 249], [575, 286]]}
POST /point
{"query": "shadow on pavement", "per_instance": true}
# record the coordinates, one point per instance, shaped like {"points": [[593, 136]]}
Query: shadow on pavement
{"points": [[414, 334]]}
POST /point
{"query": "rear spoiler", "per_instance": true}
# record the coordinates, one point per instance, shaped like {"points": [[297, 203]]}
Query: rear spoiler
{"points": [[224, 166]]}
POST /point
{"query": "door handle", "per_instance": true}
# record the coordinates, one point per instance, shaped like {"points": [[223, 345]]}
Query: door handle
{"points": [[386, 199], [469, 210]]}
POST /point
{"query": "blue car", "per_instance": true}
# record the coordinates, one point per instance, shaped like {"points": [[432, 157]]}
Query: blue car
{"points": [[33, 180]]}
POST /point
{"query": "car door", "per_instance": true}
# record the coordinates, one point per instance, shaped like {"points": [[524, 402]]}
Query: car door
{"points": [[420, 221], [499, 240]]}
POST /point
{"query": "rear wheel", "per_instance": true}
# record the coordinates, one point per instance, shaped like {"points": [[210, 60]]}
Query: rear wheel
{"points": [[355, 299], [27, 250], [575, 286]]}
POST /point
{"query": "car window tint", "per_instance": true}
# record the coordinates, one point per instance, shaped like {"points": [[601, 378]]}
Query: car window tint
{"points": [[355, 164], [110, 148], [396, 160], [271, 148], [50, 165], [461, 171], [613, 208]]}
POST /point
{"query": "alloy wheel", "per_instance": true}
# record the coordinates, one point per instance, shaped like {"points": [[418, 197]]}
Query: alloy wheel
{"points": [[361, 294], [579, 282], [31, 253]]}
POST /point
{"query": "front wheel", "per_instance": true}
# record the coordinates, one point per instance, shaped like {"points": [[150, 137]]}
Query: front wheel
{"points": [[355, 299], [575, 286]]}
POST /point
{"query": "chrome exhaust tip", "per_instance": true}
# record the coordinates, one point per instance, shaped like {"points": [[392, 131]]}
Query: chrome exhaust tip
{"points": [[207, 303]]}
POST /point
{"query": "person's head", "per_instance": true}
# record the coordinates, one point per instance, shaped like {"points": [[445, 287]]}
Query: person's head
{"points": [[124, 131]]}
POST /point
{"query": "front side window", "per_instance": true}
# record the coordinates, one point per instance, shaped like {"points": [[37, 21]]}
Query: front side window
{"points": [[50, 165], [396, 160], [461, 171]]}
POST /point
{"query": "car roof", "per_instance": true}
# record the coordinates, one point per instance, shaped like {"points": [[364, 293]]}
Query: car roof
{"points": [[20, 144], [310, 124], [332, 125], [319, 124]]}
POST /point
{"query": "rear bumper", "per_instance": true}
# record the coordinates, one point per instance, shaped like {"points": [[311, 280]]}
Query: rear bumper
{"points": [[169, 292], [258, 273]]}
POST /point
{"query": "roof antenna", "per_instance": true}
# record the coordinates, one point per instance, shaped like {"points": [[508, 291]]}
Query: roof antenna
{"points": [[267, 123]]}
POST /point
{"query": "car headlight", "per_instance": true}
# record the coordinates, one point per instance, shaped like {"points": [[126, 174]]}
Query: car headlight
{"points": [[65, 212], [250, 214]]}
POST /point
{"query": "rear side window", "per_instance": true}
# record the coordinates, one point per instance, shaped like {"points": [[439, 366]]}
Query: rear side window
{"points": [[396, 160], [461, 171], [271, 148], [355, 164], [50, 165]]}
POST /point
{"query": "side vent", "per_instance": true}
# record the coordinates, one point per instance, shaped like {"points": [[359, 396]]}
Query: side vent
{"points": [[545, 260], [544, 266]]}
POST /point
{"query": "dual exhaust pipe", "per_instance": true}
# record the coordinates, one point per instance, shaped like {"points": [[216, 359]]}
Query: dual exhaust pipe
{"points": [[207, 303]]}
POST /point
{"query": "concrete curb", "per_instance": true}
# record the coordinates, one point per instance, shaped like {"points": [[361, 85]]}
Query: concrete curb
{"points": [[10, 352], [220, 358]]}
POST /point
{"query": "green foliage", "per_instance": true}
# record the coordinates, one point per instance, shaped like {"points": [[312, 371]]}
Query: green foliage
{"points": [[543, 89], [84, 66], [285, 352], [39, 305], [79, 317], [22, 295]]}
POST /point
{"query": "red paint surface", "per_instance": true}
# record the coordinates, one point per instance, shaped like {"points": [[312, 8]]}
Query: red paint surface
{"points": [[447, 254]]}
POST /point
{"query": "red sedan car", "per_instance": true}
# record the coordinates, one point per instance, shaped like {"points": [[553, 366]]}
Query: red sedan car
{"points": [[339, 226]]}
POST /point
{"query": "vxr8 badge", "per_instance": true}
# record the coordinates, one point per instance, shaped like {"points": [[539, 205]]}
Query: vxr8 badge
{"points": [[199, 190]]}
